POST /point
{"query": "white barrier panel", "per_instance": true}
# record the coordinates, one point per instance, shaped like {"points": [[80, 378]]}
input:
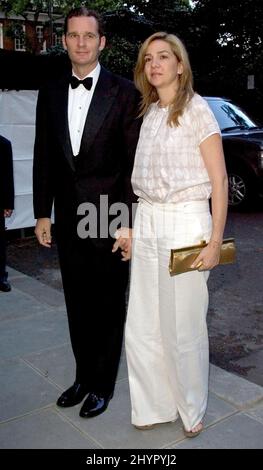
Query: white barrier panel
{"points": [[17, 124]]}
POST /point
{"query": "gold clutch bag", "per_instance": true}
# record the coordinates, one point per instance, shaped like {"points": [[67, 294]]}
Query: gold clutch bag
{"points": [[182, 258]]}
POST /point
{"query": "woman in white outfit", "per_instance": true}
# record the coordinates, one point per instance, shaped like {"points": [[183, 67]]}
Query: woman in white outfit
{"points": [[179, 165]]}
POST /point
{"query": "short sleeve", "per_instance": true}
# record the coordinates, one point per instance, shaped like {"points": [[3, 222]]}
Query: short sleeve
{"points": [[204, 121]]}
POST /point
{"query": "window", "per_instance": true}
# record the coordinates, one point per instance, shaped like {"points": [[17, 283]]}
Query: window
{"points": [[229, 116], [1, 36], [20, 41], [57, 40], [40, 36], [39, 33]]}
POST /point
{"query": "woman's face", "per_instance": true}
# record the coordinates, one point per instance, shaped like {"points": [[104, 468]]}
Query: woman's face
{"points": [[162, 67]]}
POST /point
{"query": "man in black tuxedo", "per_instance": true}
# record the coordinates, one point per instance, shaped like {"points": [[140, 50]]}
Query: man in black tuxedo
{"points": [[84, 149], [6, 204]]}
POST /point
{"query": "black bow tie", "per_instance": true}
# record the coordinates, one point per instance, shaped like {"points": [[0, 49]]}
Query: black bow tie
{"points": [[75, 82]]}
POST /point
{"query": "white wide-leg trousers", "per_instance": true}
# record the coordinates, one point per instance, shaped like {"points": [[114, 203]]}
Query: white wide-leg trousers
{"points": [[166, 332]]}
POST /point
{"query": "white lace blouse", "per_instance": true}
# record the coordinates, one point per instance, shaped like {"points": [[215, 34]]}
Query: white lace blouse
{"points": [[168, 163]]}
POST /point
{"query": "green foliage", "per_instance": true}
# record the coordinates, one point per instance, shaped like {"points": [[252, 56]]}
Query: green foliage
{"points": [[15, 30], [230, 38], [167, 15], [120, 56], [224, 38], [56, 51], [22, 6]]}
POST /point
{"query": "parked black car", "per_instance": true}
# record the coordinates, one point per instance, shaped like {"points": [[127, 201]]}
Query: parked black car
{"points": [[243, 148]]}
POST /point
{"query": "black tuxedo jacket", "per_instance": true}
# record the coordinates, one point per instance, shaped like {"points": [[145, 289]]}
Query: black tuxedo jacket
{"points": [[6, 175], [107, 150]]}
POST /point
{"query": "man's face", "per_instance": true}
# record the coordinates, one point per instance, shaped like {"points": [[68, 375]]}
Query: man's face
{"points": [[83, 42]]}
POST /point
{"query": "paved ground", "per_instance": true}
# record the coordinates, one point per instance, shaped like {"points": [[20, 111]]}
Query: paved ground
{"points": [[37, 365], [235, 317]]}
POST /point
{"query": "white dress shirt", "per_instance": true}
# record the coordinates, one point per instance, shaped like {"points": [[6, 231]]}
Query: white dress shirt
{"points": [[79, 101]]}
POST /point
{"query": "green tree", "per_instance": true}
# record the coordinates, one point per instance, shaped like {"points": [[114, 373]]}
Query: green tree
{"points": [[138, 20], [167, 15], [229, 36]]}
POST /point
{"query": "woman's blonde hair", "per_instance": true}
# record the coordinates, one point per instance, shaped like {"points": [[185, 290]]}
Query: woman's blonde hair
{"points": [[185, 88]]}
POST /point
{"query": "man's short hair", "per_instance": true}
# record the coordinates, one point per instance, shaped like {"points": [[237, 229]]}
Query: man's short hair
{"points": [[83, 11]]}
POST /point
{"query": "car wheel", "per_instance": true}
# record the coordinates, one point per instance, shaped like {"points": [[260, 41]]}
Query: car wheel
{"points": [[239, 189]]}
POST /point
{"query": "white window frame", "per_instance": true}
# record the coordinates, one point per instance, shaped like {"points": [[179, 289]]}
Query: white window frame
{"points": [[1, 36], [57, 40], [40, 36], [19, 43], [40, 32]]}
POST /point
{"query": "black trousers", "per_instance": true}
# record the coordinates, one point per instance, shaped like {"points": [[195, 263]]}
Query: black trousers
{"points": [[95, 282], [2, 247]]}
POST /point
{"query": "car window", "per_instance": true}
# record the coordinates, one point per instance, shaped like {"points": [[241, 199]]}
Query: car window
{"points": [[230, 116]]}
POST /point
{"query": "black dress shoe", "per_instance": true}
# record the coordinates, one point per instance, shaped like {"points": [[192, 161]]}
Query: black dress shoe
{"points": [[73, 396], [95, 404], [5, 286]]}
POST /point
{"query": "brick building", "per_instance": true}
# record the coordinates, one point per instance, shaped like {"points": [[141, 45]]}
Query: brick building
{"points": [[26, 33]]}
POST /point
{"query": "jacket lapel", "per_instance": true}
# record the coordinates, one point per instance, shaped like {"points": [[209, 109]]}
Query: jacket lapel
{"points": [[102, 100], [61, 100]]}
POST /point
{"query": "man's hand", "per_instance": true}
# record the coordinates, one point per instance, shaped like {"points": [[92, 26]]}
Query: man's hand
{"points": [[43, 231], [8, 212]]}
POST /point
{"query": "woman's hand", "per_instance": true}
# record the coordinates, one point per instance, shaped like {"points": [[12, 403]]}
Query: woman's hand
{"points": [[124, 242], [212, 152], [209, 256]]}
